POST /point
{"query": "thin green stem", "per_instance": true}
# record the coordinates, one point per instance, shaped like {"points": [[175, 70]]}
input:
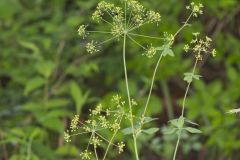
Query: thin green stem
{"points": [[129, 18], [136, 42], [125, 14], [184, 25], [183, 109], [189, 84], [176, 148], [151, 88], [106, 41], [109, 144], [111, 140], [99, 32], [129, 98], [135, 27], [145, 36], [135, 147], [95, 151], [76, 134], [107, 22]]}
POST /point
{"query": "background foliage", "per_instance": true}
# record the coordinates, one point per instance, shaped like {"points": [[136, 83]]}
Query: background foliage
{"points": [[46, 77]]}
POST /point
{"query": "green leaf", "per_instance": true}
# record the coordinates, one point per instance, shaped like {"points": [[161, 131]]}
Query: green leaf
{"points": [[151, 131], [193, 123], [149, 119], [193, 130], [190, 76], [127, 131], [160, 48], [67, 150], [57, 102], [33, 84], [178, 122], [54, 124], [170, 131], [77, 96], [166, 50], [31, 46], [45, 68]]}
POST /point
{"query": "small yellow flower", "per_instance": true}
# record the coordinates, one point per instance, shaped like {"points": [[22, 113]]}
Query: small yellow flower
{"points": [[95, 141], [66, 137], [74, 123], [85, 155], [151, 52], [200, 46], [117, 30], [214, 52], [153, 16], [195, 8], [82, 31], [186, 48], [91, 47], [120, 146]]}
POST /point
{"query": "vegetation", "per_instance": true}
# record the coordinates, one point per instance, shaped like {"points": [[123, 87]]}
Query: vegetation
{"points": [[47, 78]]}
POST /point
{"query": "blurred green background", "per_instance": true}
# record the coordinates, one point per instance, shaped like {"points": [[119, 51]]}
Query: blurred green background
{"points": [[46, 77]]}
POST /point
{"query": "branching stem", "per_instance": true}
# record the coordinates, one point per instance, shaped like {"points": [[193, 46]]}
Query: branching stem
{"points": [[129, 98], [183, 109]]}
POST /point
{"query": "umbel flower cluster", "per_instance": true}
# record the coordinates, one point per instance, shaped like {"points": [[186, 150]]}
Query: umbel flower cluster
{"points": [[100, 119], [200, 46], [121, 21]]}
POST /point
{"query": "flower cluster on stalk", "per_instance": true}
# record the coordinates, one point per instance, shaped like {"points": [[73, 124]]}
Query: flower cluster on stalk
{"points": [[100, 118], [122, 21], [200, 46]]}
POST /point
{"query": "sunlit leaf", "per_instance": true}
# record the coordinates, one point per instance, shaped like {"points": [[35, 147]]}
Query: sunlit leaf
{"points": [[34, 84], [151, 131], [127, 131], [193, 130]]}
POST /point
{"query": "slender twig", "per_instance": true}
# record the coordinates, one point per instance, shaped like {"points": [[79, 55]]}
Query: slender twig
{"points": [[183, 109], [95, 151], [107, 22], [140, 35], [111, 140], [99, 32], [129, 98], [155, 70], [136, 27], [176, 148], [151, 88], [184, 25], [106, 41], [136, 42], [129, 18]]}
